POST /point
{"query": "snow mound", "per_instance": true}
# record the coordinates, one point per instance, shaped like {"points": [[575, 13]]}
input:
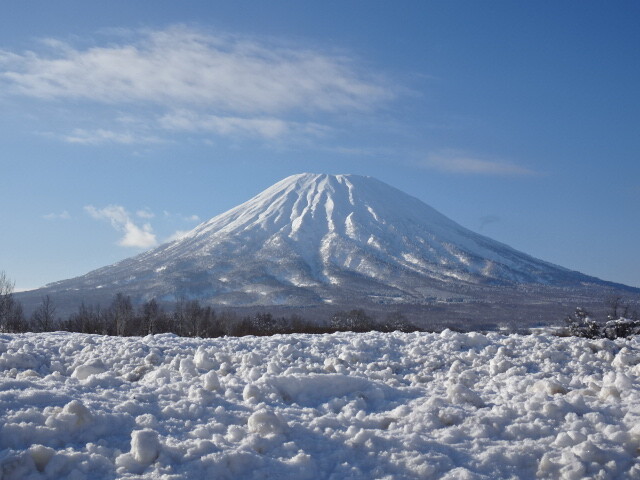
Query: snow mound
{"points": [[265, 422], [145, 448], [314, 389]]}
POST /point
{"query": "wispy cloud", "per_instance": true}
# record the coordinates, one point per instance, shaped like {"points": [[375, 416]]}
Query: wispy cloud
{"points": [[177, 235], [452, 161], [263, 127], [133, 234], [64, 215], [197, 81], [145, 213], [181, 65], [181, 217], [101, 136]]}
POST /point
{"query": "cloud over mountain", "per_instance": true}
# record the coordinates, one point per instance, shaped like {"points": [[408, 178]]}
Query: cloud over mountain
{"points": [[452, 161], [182, 78], [133, 235]]}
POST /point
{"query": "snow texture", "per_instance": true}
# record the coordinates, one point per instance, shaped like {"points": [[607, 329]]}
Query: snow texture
{"points": [[359, 406]]}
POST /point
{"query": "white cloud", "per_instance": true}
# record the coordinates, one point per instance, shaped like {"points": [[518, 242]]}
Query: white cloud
{"points": [[101, 136], [64, 215], [452, 161], [177, 235], [145, 213], [181, 217], [181, 79], [181, 66], [264, 127], [134, 235]]}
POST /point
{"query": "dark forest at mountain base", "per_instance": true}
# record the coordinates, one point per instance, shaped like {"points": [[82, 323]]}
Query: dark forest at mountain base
{"points": [[123, 317]]}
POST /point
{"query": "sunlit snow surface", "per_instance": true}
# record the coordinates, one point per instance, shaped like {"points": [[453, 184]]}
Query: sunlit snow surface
{"points": [[450, 405]]}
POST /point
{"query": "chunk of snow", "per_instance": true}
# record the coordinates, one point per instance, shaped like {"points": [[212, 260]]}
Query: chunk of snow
{"points": [[251, 393], [41, 456], [265, 422], [203, 360], [73, 416], [145, 446], [82, 372], [210, 381]]}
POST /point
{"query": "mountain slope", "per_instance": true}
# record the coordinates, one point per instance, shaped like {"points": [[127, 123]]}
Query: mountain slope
{"points": [[315, 239]]}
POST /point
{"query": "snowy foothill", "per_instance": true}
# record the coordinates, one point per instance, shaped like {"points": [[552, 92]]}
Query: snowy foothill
{"points": [[360, 406]]}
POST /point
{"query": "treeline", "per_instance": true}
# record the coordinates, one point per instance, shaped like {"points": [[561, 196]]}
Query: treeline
{"points": [[187, 318]]}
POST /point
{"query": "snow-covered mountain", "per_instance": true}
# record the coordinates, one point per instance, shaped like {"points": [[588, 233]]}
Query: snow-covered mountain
{"points": [[315, 239]]}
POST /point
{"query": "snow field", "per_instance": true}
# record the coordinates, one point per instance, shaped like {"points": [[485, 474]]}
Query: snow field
{"points": [[369, 406]]}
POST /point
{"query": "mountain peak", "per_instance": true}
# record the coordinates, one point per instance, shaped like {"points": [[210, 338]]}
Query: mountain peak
{"points": [[323, 204]]}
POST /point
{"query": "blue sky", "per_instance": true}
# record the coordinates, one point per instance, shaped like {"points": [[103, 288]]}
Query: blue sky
{"points": [[124, 123]]}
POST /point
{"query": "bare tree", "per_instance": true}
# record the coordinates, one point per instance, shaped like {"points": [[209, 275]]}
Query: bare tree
{"points": [[11, 314], [43, 317], [210, 325], [151, 315], [6, 300], [86, 320], [227, 322], [196, 318], [614, 302], [179, 315], [121, 311], [16, 321]]}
